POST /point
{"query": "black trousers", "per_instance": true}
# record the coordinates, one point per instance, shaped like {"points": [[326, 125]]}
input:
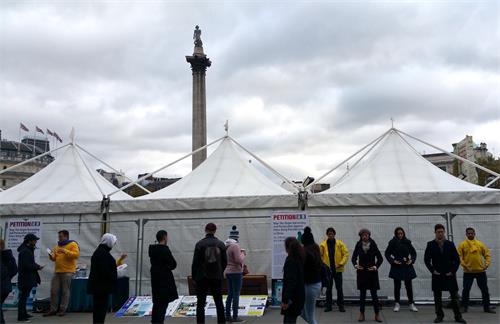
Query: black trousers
{"points": [[22, 314], [362, 300], [438, 303], [4, 297], [482, 282], [100, 303], [337, 278], [159, 310], [397, 290], [202, 288]]}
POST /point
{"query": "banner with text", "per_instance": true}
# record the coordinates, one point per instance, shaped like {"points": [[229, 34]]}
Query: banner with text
{"points": [[17, 229]]}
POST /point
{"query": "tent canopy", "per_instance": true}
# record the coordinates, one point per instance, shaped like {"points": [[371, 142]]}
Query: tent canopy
{"points": [[66, 179], [393, 165], [225, 173]]}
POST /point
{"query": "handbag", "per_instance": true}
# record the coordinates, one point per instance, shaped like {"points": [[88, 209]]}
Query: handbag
{"points": [[245, 270]]}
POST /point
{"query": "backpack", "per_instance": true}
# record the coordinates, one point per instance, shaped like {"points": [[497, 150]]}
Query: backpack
{"points": [[212, 262]]}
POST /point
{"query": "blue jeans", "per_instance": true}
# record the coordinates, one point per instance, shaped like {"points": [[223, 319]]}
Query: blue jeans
{"points": [[234, 282], [312, 293]]}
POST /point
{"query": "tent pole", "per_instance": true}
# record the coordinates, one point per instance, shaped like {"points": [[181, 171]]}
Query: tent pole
{"points": [[90, 172], [144, 221], [164, 167], [138, 223], [451, 154], [109, 166], [346, 160], [492, 182], [265, 164], [32, 159]]}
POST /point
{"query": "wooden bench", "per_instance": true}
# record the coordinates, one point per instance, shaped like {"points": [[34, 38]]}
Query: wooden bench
{"points": [[252, 285]]}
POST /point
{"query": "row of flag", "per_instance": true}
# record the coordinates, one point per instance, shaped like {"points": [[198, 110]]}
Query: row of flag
{"points": [[39, 130]]}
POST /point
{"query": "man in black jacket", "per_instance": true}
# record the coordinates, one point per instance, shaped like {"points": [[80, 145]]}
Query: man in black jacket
{"points": [[207, 270], [442, 260], [163, 286], [102, 277], [28, 277], [8, 271]]}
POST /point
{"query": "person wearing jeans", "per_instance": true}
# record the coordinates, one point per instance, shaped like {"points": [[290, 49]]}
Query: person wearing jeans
{"points": [[234, 274], [475, 259], [312, 275]]}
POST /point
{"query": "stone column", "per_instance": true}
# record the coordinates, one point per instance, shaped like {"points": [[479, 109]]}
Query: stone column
{"points": [[199, 63]]}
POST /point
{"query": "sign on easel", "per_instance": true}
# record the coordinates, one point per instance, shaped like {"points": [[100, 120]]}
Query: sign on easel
{"points": [[284, 224]]}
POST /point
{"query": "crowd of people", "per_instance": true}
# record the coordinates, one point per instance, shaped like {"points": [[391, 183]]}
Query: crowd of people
{"points": [[308, 268]]}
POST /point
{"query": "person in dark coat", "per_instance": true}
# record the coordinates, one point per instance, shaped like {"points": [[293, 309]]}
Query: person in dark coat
{"points": [[162, 280], [401, 254], [207, 270], [103, 277], [293, 293], [366, 258], [8, 271], [442, 260], [28, 277]]}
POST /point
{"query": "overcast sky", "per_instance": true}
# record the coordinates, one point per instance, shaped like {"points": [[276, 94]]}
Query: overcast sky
{"points": [[303, 84]]}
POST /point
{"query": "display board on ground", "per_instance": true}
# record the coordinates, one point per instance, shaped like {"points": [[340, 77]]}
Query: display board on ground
{"points": [[185, 306]]}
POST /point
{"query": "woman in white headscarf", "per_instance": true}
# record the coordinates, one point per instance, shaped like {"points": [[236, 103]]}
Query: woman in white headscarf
{"points": [[102, 277]]}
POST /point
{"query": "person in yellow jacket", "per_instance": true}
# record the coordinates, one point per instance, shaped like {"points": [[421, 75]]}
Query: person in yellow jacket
{"points": [[475, 260], [64, 255], [334, 254]]}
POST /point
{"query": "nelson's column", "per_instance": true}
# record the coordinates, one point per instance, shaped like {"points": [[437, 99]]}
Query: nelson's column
{"points": [[199, 63]]}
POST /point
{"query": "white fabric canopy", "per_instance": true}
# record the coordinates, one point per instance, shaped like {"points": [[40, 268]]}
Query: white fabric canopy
{"points": [[394, 165], [66, 179], [225, 173]]}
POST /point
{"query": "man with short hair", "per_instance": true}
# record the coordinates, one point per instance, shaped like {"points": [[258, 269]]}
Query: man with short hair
{"points": [[334, 254], [474, 259], [442, 260], [64, 255], [209, 262]]}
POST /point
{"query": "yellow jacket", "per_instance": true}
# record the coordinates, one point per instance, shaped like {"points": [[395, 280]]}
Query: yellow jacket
{"points": [[65, 257], [474, 256], [341, 254]]}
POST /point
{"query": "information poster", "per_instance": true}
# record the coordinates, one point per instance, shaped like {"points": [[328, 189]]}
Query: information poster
{"points": [[285, 224], [17, 229]]}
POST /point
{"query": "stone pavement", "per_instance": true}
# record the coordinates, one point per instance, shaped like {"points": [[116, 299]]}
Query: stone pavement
{"points": [[425, 315]]}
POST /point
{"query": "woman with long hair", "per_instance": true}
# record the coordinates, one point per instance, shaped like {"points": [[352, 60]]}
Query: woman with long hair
{"points": [[366, 258], [293, 294], [401, 254], [312, 275]]}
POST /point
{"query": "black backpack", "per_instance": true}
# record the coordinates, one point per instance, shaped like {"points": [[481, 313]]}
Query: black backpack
{"points": [[212, 262]]}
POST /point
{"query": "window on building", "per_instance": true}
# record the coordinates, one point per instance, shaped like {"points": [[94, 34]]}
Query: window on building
{"points": [[4, 183], [443, 168]]}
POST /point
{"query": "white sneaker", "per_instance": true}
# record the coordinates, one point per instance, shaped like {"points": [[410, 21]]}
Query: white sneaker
{"points": [[413, 308], [396, 307]]}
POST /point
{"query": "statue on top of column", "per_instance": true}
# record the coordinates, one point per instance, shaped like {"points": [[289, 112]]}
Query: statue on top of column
{"points": [[197, 37]]}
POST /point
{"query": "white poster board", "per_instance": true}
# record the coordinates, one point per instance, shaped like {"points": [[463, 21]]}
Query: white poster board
{"points": [[17, 229], [285, 224]]}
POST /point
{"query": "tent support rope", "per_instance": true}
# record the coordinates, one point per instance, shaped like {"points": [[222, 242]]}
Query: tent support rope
{"points": [[346, 160], [265, 164], [451, 154], [88, 170], [164, 167], [109, 166], [32, 159]]}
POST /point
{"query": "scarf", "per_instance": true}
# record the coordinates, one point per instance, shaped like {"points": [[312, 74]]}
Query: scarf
{"points": [[65, 242], [365, 246], [109, 240]]}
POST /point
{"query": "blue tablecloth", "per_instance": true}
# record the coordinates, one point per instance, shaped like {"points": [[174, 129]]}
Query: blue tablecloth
{"points": [[80, 301]]}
